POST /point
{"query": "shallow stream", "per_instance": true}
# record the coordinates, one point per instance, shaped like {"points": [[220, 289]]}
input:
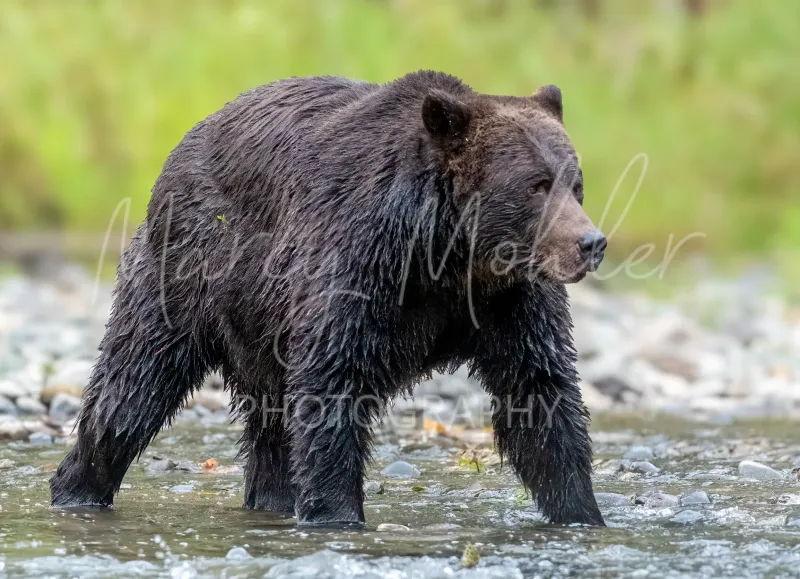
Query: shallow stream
{"points": [[174, 517]]}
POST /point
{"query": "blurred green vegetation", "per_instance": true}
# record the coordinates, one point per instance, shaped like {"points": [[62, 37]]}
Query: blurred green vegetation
{"points": [[94, 95]]}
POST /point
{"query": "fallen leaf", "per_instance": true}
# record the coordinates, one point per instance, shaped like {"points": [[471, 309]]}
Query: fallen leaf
{"points": [[434, 427]]}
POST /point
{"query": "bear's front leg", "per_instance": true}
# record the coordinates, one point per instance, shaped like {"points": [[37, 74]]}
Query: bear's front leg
{"points": [[331, 443], [337, 384], [527, 363]]}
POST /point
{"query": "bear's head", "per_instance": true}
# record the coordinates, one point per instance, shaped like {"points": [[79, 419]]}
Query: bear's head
{"points": [[514, 170]]}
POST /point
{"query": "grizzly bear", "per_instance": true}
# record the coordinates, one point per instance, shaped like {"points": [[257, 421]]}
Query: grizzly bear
{"points": [[325, 243]]}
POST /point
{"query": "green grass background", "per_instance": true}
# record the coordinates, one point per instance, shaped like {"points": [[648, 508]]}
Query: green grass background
{"points": [[94, 95]]}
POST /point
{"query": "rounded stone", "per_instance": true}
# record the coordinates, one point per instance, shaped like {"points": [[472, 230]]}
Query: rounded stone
{"points": [[758, 471], [695, 498], [401, 469]]}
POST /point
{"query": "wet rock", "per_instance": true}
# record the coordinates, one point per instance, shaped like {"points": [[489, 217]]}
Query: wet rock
{"points": [[373, 488], [639, 453], [64, 408], [30, 406], [612, 468], [644, 467], [181, 489], [238, 554], [392, 528], [789, 500], [401, 469], [160, 466], [7, 407], [12, 389], [758, 471], [188, 466], [12, 429], [695, 498], [40, 439], [659, 500], [612, 500], [774, 521], [687, 517]]}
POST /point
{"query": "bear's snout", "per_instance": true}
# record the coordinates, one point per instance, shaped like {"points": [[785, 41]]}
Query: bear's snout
{"points": [[591, 247]]}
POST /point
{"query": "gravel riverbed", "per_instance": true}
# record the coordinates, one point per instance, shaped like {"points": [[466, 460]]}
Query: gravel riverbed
{"points": [[723, 350]]}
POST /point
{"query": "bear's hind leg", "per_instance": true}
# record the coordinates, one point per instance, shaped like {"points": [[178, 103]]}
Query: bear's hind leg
{"points": [[142, 378], [267, 473]]}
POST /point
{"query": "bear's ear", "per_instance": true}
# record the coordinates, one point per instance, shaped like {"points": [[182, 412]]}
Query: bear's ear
{"points": [[549, 98], [444, 116]]}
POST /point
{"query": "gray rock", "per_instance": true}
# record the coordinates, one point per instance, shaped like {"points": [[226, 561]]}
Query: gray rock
{"points": [[160, 466], [180, 489], [789, 500], [12, 429], [758, 471], [644, 467], [687, 517], [12, 389], [612, 500], [64, 408], [372, 488], [29, 406], [639, 453], [612, 467], [392, 528], [7, 407], [695, 498], [188, 466], [238, 554], [40, 439], [401, 469], [660, 500]]}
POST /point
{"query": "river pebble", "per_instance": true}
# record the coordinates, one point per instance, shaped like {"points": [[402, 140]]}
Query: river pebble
{"points": [[64, 407], [695, 498], [612, 499], [40, 439], [392, 528], [758, 471], [687, 517], [30, 406], [401, 469], [7, 407], [659, 500], [645, 467], [238, 554]]}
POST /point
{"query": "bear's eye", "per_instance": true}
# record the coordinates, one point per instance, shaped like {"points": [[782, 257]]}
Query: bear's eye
{"points": [[579, 192], [541, 188]]}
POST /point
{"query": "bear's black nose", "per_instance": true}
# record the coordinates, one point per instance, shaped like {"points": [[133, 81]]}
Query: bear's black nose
{"points": [[591, 247]]}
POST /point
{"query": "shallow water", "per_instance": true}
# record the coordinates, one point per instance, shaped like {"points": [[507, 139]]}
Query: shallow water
{"points": [[190, 524]]}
